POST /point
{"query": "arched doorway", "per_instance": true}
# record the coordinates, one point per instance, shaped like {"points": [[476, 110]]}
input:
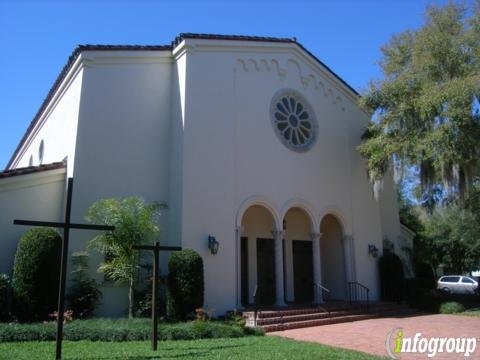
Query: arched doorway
{"points": [[298, 256], [257, 256], [333, 257]]}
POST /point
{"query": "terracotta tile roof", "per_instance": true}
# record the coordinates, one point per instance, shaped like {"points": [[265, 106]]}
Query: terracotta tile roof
{"points": [[80, 48], [32, 169], [183, 36]]}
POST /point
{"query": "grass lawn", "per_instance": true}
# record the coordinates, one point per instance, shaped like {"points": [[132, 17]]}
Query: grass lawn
{"points": [[256, 347]]}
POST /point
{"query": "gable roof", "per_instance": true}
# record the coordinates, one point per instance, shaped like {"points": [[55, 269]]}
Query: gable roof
{"points": [[32, 169], [182, 36]]}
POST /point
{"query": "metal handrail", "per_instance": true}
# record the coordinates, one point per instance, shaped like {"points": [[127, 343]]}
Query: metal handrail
{"points": [[323, 287], [359, 293], [316, 287], [255, 293], [255, 305]]}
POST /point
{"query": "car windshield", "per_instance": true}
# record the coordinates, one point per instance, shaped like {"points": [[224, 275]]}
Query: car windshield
{"points": [[467, 280]]}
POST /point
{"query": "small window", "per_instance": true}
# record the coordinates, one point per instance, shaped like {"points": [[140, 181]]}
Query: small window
{"points": [[30, 162], [466, 280], [41, 150]]}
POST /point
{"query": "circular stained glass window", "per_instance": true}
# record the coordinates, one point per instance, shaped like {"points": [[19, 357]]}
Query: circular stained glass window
{"points": [[293, 120]]}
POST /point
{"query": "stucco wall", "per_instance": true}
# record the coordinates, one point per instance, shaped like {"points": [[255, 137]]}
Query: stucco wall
{"points": [[123, 142], [57, 126], [36, 196], [231, 154]]}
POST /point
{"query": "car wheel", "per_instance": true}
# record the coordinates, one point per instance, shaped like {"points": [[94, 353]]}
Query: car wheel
{"points": [[446, 290]]}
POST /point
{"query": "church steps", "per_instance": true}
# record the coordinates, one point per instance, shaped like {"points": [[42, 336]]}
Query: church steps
{"points": [[284, 318], [303, 317]]}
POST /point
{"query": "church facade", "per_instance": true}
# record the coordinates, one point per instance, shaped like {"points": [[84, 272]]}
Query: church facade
{"points": [[249, 140]]}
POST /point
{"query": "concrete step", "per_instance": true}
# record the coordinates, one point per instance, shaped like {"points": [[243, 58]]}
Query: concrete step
{"points": [[318, 322], [303, 317], [278, 323], [299, 311]]}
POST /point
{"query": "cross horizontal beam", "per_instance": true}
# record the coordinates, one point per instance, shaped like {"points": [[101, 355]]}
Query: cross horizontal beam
{"points": [[62, 225], [153, 247]]}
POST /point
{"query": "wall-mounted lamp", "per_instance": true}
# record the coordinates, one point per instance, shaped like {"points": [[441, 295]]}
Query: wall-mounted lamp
{"points": [[213, 244], [372, 250]]}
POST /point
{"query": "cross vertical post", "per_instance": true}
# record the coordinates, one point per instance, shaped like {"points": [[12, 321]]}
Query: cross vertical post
{"points": [[156, 252], [67, 225], [63, 272]]}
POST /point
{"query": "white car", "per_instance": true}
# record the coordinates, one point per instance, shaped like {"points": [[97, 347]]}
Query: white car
{"points": [[457, 284]]}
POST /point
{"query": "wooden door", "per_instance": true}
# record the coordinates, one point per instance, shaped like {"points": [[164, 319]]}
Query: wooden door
{"points": [[302, 271], [266, 271]]}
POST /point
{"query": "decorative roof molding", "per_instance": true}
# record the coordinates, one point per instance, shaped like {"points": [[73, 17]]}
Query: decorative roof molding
{"points": [[32, 169]]}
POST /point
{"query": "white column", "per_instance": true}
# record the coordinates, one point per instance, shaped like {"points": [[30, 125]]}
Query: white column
{"points": [[279, 282], [238, 270], [317, 269], [349, 261]]}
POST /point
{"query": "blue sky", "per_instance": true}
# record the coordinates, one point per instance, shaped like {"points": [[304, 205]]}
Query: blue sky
{"points": [[38, 36]]}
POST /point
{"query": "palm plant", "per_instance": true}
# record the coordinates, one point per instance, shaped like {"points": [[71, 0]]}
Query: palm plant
{"points": [[135, 223]]}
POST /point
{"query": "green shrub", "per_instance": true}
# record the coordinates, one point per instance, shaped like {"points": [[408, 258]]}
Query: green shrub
{"points": [[185, 284], [391, 277], [451, 307], [36, 274], [123, 330], [5, 289], [83, 295]]}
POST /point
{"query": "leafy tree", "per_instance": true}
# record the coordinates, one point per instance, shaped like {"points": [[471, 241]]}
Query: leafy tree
{"points": [[453, 234], [135, 223], [426, 109]]}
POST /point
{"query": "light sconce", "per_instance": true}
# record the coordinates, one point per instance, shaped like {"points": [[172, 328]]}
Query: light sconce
{"points": [[213, 244], [373, 250]]}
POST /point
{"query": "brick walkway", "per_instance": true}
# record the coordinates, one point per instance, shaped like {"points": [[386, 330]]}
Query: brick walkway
{"points": [[370, 335]]}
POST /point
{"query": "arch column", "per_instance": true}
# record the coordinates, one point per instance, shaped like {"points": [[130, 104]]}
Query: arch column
{"points": [[317, 269], [238, 270], [348, 248], [278, 236]]}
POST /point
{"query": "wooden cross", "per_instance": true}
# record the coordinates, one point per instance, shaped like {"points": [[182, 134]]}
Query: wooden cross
{"points": [[66, 225], [156, 251]]}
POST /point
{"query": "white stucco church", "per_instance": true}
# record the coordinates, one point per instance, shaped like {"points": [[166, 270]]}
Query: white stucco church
{"points": [[251, 140]]}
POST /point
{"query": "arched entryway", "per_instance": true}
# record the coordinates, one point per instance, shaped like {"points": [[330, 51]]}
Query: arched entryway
{"points": [[298, 255], [257, 256], [333, 257]]}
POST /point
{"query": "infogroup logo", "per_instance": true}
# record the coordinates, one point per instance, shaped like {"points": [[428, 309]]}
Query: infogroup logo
{"points": [[397, 343]]}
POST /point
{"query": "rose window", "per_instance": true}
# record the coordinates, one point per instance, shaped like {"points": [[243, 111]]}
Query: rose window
{"points": [[293, 120]]}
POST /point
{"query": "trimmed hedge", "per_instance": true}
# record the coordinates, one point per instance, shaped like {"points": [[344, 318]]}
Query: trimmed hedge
{"points": [[122, 330], [185, 284], [36, 274]]}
